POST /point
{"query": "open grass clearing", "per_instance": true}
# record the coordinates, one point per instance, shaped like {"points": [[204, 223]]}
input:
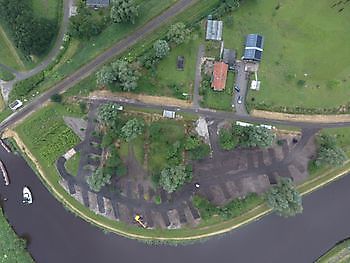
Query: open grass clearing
{"points": [[6, 75], [72, 165], [49, 9], [293, 31], [340, 253]]}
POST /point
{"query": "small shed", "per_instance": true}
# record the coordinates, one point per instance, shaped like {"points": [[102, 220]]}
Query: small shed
{"points": [[229, 57], [97, 3], [219, 76], [180, 64], [169, 114], [214, 30]]}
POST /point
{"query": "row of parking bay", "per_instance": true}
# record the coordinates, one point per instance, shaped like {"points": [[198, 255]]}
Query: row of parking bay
{"points": [[155, 216]]}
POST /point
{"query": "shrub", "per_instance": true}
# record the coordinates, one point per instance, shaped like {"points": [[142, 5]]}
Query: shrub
{"points": [[56, 98]]}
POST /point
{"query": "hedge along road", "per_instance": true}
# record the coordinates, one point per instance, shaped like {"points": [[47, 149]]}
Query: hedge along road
{"points": [[55, 235], [89, 68]]}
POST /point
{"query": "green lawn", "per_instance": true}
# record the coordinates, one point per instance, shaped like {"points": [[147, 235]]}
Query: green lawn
{"points": [[220, 100], [72, 165], [301, 37], [46, 134], [12, 248], [6, 75], [340, 253], [9, 55], [165, 134], [50, 9]]}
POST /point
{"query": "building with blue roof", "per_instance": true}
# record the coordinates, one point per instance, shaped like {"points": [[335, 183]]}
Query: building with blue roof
{"points": [[254, 47]]}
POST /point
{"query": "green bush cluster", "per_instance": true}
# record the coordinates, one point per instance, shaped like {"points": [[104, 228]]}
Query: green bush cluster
{"points": [[234, 208], [24, 87], [329, 153]]}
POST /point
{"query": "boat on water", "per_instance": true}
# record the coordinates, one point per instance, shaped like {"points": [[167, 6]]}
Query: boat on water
{"points": [[4, 173], [27, 196]]}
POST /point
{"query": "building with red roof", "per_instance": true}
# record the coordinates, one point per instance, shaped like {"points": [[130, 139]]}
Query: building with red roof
{"points": [[219, 76]]}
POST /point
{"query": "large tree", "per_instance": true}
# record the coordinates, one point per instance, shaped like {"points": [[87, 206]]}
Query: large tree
{"points": [[132, 129], [178, 33], [105, 76], [126, 75], [227, 139], [161, 48], [284, 199], [124, 11], [329, 152], [171, 178], [98, 179], [107, 114], [254, 136]]}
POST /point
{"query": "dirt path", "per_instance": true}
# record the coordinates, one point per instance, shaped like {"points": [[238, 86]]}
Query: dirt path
{"points": [[12, 48], [155, 100], [301, 117]]}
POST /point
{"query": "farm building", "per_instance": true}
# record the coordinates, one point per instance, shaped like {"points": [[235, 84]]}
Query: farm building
{"points": [[219, 76], [97, 3], [229, 57], [253, 47], [169, 114], [214, 30]]}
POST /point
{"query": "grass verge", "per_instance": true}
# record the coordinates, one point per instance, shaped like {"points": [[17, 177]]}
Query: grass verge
{"points": [[340, 253]]}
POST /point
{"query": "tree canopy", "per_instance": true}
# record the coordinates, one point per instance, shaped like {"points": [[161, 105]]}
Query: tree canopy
{"points": [[124, 11], [284, 199], [161, 48], [178, 33], [107, 114], [98, 179], [329, 152], [254, 136], [132, 129], [171, 178]]}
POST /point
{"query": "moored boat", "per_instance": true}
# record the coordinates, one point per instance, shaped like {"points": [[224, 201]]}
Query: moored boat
{"points": [[27, 196]]}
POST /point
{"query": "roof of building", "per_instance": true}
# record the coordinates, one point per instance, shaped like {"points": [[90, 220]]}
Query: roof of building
{"points": [[229, 57], [219, 76], [169, 114], [254, 41], [180, 63], [214, 30], [253, 47], [99, 3], [252, 54]]}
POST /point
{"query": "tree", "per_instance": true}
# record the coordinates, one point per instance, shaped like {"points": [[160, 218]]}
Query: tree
{"points": [[124, 11], [254, 136], [284, 199], [105, 76], [56, 98], [107, 114], [132, 129], [200, 152], [227, 140], [98, 179], [329, 152], [171, 178], [178, 33], [192, 142], [126, 76], [161, 48]]}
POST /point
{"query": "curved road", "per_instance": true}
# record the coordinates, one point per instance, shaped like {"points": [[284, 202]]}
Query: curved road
{"points": [[55, 235]]}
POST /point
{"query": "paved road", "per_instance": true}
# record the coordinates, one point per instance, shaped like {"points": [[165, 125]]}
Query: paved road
{"points": [[55, 235], [242, 83], [89, 68], [7, 87]]}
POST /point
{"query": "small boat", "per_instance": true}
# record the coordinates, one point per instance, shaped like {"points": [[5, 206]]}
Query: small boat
{"points": [[27, 196]]}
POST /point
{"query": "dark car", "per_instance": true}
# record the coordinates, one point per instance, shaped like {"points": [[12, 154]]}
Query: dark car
{"points": [[237, 89]]}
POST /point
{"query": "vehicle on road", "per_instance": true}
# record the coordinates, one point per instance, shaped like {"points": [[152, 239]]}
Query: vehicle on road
{"points": [[27, 196], [239, 100], [237, 88], [16, 105]]}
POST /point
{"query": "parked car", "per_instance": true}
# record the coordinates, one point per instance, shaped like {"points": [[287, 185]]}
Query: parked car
{"points": [[237, 89], [239, 100], [16, 105]]}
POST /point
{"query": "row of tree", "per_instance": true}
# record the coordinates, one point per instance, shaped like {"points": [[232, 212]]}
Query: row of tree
{"points": [[249, 136], [32, 35]]}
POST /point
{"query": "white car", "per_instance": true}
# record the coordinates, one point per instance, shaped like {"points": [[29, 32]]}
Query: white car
{"points": [[16, 105], [239, 100]]}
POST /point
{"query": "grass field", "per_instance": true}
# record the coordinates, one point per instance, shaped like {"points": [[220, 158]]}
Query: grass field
{"points": [[6, 75], [340, 253], [50, 9], [72, 165], [8, 53], [304, 53], [12, 249]]}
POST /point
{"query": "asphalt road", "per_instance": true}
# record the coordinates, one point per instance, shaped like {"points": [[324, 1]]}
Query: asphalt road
{"points": [[89, 68], [56, 235]]}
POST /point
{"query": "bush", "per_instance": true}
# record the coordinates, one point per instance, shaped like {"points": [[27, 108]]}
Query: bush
{"points": [[200, 152], [56, 98], [329, 153], [24, 87], [227, 140]]}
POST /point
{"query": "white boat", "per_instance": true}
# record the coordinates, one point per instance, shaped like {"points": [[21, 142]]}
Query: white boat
{"points": [[27, 196]]}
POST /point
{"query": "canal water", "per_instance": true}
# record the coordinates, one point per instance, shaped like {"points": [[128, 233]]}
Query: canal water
{"points": [[55, 235]]}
